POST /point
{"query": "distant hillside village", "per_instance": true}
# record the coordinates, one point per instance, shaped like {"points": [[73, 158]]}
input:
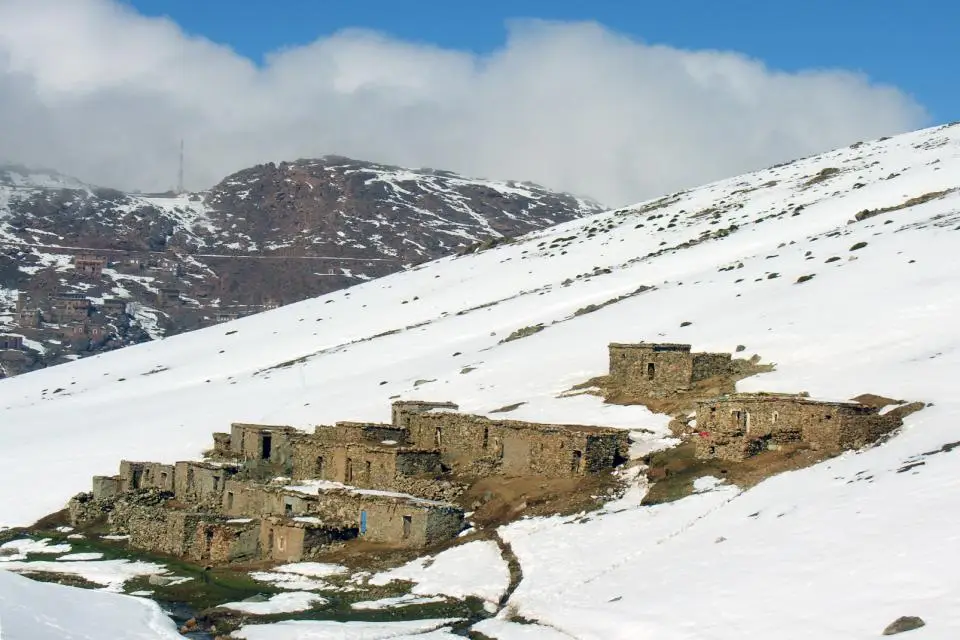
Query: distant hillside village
{"points": [[77, 313], [276, 493]]}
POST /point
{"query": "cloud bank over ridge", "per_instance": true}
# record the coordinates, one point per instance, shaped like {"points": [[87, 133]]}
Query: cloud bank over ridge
{"points": [[97, 91]]}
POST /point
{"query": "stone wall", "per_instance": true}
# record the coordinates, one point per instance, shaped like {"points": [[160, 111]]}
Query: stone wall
{"points": [[474, 445], [402, 409], [146, 475], [106, 487], [371, 432], [201, 484], [710, 365], [360, 465], [216, 541], [407, 525], [738, 426], [662, 368], [221, 446], [288, 540], [258, 500], [268, 443]]}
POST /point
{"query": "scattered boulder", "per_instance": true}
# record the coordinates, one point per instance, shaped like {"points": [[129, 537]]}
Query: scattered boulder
{"points": [[902, 624]]}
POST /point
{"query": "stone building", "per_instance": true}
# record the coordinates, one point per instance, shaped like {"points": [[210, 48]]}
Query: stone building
{"points": [[270, 444], [201, 483], [475, 445], [363, 480], [29, 318], [145, 475], [114, 306], [663, 368], [11, 342], [299, 538], [740, 425], [71, 306], [89, 266]]}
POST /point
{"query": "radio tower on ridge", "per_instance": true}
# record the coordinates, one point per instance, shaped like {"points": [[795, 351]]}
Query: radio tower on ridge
{"points": [[180, 175]]}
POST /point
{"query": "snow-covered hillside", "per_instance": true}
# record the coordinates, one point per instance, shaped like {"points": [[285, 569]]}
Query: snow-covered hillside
{"points": [[833, 551]]}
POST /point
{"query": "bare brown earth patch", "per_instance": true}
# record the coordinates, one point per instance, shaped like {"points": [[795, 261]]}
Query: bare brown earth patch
{"points": [[672, 472], [497, 500]]}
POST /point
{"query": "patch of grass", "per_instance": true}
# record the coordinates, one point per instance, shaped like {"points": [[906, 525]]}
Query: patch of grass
{"points": [[858, 246], [805, 278], [823, 175], [524, 332], [508, 408], [912, 202]]}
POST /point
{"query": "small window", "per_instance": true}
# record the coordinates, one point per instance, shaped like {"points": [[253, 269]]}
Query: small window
{"points": [[230, 500], [288, 508], [368, 470], [318, 467], [486, 436], [216, 483], [651, 370], [437, 437], [407, 526], [266, 447], [774, 417]]}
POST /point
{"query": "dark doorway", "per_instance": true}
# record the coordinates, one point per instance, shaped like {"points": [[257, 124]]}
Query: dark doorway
{"points": [[349, 471], [577, 461], [651, 370], [266, 447], [407, 526], [318, 467]]}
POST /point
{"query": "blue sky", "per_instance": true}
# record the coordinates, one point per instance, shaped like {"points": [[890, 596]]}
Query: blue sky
{"points": [[913, 45]]}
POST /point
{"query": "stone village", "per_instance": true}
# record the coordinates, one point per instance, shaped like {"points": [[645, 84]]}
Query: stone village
{"points": [[276, 493]]}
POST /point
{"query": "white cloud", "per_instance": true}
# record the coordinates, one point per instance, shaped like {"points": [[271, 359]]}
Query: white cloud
{"points": [[95, 90]]}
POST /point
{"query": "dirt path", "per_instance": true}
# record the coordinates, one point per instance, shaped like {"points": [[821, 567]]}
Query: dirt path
{"points": [[513, 566]]}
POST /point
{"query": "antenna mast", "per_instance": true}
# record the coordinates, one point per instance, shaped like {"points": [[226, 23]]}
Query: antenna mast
{"points": [[180, 175]]}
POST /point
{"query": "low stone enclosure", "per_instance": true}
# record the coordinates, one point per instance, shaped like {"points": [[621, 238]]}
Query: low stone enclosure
{"points": [[735, 426], [276, 493]]}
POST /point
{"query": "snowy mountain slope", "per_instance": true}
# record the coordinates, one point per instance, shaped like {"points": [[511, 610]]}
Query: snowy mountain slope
{"points": [[268, 235], [837, 550]]}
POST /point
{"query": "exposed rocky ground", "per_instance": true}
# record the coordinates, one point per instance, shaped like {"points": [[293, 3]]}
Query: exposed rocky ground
{"points": [[265, 236]]}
